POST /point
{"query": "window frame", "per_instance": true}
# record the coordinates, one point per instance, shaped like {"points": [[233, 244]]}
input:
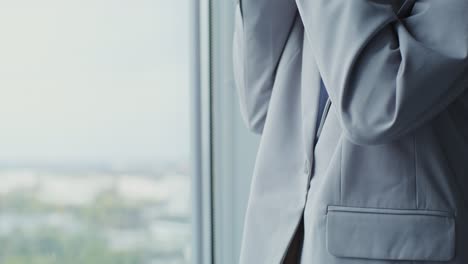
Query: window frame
{"points": [[233, 146], [224, 150], [202, 232]]}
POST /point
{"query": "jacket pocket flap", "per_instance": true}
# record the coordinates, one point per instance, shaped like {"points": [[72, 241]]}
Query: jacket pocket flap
{"points": [[389, 234]]}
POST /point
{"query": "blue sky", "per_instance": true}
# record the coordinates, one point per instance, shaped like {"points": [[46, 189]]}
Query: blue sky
{"points": [[94, 80]]}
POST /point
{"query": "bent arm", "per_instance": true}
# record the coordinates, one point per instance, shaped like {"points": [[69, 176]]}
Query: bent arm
{"points": [[261, 30], [386, 74]]}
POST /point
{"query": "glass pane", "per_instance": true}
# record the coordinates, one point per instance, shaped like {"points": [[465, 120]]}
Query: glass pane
{"points": [[94, 131]]}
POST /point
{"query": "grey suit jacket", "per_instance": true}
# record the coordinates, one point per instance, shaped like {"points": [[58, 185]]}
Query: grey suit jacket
{"points": [[388, 179]]}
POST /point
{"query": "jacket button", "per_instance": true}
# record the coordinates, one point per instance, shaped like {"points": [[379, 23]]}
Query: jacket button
{"points": [[306, 167]]}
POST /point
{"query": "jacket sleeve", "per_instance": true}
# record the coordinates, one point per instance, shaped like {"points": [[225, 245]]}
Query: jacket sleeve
{"points": [[388, 72], [261, 30]]}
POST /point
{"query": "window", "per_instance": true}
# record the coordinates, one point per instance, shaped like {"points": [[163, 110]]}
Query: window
{"points": [[95, 163]]}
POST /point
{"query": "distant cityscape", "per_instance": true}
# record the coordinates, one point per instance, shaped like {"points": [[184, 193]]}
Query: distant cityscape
{"points": [[95, 132], [95, 214]]}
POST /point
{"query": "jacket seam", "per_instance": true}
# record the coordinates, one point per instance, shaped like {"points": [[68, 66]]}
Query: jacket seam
{"points": [[416, 187], [341, 170]]}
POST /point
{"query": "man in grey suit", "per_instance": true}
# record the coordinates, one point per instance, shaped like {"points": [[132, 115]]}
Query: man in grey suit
{"points": [[378, 171]]}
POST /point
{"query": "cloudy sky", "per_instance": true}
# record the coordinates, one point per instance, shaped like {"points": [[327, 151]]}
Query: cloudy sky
{"points": [[94, 80]]}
